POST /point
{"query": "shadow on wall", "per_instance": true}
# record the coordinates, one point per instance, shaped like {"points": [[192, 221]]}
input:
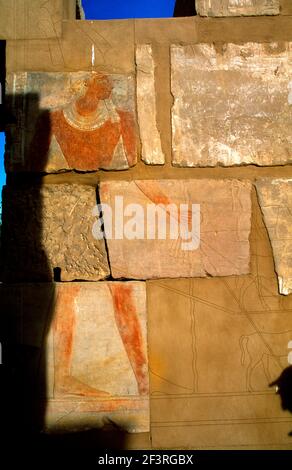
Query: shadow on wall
{"points": [[283, 386], [21, 386], [24, 365]]}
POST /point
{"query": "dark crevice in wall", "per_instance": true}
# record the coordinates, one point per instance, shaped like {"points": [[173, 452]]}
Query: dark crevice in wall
{"points": [[109, 278], [184, 8], [2, 81], [79, 11], [57, 274]]}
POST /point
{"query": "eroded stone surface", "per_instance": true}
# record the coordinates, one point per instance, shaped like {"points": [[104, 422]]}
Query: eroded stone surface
{"points": [[92, 340], [275, 197], [237, 7], [212, 361], [217, 244], [50, 227], [78, 120], [232, 106], [31, 19], [146, 102], [235, 334]]}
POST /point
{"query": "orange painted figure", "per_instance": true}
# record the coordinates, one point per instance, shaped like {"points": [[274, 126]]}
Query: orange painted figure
{"points": [[91, 131], [64, 331]]}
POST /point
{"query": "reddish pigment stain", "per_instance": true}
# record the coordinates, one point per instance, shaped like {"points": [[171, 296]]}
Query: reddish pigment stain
{"points": [[64, 328], [154, 193], [64, 322], [130, 331]]}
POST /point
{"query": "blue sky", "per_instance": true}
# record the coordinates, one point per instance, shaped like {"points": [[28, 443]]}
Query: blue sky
{"points": [[112, 9], [2, 174]]}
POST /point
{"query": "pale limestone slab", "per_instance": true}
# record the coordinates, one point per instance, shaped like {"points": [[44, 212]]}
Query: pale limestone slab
{"points": [[237, 7], [49, 227], [232, 104], [64, 121], [91, 339], [146, 106], [275, 198], [218, 244]]}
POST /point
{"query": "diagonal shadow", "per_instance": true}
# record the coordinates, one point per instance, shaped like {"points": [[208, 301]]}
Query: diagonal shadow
{"points": [[28, 294], [283, 386]]}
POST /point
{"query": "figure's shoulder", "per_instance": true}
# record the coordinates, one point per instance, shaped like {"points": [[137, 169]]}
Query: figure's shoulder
{"points": [[57, 115], [125, 116]]}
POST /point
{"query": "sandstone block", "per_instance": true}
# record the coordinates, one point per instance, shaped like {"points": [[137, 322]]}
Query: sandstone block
{"points": [[211, 362], [146, 104], [47, 232], [31, 19], [96, 46], [65, 121], [275, 198], [237, 7], [232, 105], [177, 228], [88, 345]]}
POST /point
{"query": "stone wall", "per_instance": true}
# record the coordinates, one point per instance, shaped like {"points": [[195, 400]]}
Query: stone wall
{"points": [[168, 111]]}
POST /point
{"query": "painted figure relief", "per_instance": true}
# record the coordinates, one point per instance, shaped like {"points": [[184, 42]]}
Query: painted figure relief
{"points": [[97, 357], [83, 121]]}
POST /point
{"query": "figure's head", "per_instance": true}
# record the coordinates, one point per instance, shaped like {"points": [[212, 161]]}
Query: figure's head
{"points": [[97, 88], [283, 386]]}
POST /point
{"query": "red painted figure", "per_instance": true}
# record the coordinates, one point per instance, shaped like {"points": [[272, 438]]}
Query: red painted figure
{"points": [[64, 331], [90, 131]]}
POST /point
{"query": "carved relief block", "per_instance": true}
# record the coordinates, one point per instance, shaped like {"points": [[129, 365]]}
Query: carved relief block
{"points": [[65, 121]]}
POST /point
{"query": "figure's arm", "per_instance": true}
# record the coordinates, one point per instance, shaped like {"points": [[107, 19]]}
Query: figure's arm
{"points": [[129, 135]]}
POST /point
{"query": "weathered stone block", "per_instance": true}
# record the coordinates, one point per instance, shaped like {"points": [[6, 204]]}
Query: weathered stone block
{"points": [[48, 229], [177, 228], [232, 105], [211, 362], [31, 19], [88, 344], [146, 103], [96, 46], [64, 121], [235, 334], [275, 198], [237, 7]]}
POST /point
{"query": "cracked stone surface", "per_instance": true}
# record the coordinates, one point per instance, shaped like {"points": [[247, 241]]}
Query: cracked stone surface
{"points": [[146, 104], [232, 104], [217, 214], [50, 227], [64, 121], [92, 341], [237, 7], [275, 198]]}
